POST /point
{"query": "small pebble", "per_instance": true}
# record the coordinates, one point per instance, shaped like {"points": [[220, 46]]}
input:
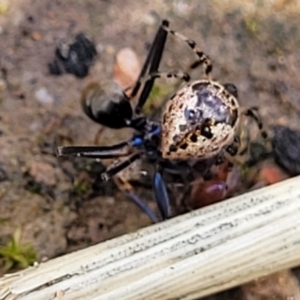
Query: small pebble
{"points": [[74, 58], [43, 173], [43, 96], [270, 174], [127, 67], [36, 36]]}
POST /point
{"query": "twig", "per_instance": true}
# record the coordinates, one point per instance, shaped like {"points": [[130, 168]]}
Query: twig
{"points": [[191, 256]]}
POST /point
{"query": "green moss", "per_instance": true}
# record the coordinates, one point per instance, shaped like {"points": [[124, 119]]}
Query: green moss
{"points": [[158, 94], [15, 255], [80, 188], [252, 26]]}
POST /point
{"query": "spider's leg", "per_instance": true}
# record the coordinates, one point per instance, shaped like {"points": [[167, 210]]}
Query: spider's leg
{"points": [[202, 58], [253, 113], [233, 148], [118, 166], [181, 75], [151, 65], [150, 78], [245, 135], [161, 196], [128, 190]]}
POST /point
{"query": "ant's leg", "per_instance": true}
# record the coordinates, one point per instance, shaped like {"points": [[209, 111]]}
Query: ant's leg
{"points": [[151, 65], [154, 56], [118, 166], [202, 57], [118, 150], [161, 196], [103, 152], [128, 190]]}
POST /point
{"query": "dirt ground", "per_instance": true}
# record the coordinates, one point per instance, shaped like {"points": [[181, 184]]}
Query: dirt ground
{"points": [[60, 204]]}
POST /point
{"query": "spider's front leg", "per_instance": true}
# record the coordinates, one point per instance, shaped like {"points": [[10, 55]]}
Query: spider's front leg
{"points": [[202, 58]]}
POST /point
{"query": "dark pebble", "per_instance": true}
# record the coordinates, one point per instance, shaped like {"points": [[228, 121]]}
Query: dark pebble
{"points": [[75, 58], [286, 148]]}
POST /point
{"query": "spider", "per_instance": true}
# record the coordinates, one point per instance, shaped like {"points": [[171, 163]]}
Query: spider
{"points": [[198, 124]]}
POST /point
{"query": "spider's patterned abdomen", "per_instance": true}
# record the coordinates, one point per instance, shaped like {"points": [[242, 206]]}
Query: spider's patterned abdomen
{"points": [[199, 121]]}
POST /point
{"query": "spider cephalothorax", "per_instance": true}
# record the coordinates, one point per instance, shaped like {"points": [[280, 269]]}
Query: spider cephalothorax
{"points": [[199, 121]]}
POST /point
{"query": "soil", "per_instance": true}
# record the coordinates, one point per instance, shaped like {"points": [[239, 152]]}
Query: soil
{"points": [[60, 204]]}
